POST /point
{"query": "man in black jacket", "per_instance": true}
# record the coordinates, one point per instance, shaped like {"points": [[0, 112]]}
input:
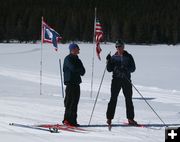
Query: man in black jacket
{"points": [[73, 70], [122, 65]]}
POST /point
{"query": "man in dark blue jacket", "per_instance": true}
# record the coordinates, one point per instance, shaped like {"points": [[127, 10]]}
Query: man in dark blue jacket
{"points": [[122, 65], [73, 70]]}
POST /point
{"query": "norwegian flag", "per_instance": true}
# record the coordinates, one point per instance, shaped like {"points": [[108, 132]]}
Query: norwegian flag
{"points": [[50, 35], [99, 37]]}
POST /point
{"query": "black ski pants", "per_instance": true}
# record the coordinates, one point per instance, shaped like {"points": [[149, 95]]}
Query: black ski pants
{"points": [[116, 85], [71, 103]]}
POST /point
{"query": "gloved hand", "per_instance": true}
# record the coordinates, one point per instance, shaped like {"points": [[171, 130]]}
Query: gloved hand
{"points": [[108, 57]]}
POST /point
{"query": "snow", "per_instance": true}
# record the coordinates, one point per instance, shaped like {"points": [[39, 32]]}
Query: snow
{"points": [[156, 78]]}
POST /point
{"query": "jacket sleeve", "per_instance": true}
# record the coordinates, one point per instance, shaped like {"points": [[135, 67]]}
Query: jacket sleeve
{"points": [[80, 68], [132, 66], [110, 65]]}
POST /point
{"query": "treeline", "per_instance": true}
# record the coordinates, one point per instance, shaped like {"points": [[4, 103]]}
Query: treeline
{"points": [[135, 21]]}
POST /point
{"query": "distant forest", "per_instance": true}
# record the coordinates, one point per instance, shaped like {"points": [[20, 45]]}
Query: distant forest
{"points": [[134, 21]]}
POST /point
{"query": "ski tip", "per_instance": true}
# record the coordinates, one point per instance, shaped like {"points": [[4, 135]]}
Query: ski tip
{"points": [[11, 123]]}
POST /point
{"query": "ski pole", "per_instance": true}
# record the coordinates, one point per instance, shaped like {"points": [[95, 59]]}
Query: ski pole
{"points": [[147, 102], [97, 95], [61, 78]]}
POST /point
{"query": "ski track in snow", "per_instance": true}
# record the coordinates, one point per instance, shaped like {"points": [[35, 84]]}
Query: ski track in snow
{"points": [[50, 79], [20, 52]]}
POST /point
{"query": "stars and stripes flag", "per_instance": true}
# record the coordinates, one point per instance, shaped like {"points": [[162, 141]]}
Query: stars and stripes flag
{"points": [[98, 37], [50, 35]]}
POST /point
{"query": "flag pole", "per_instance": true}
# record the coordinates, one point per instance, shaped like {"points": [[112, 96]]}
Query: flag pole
{"points": [[41, 56], [92, 75], [60, 69]]}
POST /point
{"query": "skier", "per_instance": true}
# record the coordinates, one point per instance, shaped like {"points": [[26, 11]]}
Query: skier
{"points": [[122, 65], [73, 70]]}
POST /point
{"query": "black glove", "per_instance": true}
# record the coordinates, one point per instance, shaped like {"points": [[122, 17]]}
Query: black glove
{"points": [[108, 57]]}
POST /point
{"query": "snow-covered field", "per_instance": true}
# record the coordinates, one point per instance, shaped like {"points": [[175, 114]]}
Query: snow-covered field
{"points": [[157, 78]]}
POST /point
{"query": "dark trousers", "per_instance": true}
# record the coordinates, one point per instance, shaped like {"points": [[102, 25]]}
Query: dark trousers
{"points": [[116, 86], [71, 103]]}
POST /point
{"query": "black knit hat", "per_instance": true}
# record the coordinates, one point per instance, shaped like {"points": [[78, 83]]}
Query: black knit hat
{"points": [[119, 43], [72, 46]]}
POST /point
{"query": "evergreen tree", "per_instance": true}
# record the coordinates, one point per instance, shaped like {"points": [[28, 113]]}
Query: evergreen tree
{"points": [[136, 21]]}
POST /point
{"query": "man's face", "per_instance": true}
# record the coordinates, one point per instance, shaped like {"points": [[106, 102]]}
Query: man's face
{"points": [[120, 48], [75, 51]]}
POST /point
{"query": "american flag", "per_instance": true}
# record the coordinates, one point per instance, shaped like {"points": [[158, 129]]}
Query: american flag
{"points": [[50, 35], [99, 37]]}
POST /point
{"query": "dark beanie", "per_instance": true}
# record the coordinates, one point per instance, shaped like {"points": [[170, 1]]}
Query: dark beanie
{"points": [[73, 46], [119, 43]]}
